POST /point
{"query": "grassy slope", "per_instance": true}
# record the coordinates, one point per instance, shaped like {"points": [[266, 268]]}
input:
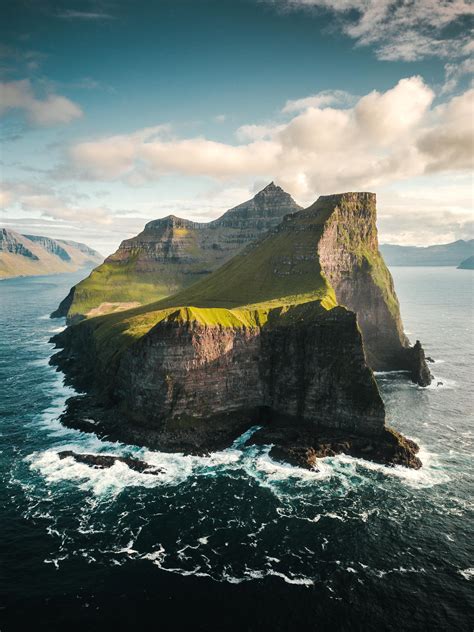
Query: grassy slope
{"points": [[240, 293], [119, 281], [115, 282]]}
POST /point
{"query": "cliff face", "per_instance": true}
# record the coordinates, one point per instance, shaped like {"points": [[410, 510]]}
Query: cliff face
{"points": [[351, 261], [25, 255], [173, 253], [192, 385], [306, 365], [260, 340], [50, 245]]}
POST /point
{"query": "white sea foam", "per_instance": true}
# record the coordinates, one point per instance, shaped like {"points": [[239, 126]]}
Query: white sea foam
{"points": [[57, 330], [467, 573], [439, 383], [432, 473]]}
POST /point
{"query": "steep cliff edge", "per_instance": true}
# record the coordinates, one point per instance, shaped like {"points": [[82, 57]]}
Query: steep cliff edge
{"points": [[259, 341], [173, 253], [350, 259]]}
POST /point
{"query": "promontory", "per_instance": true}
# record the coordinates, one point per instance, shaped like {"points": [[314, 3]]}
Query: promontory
{"points": [[284, 336]]}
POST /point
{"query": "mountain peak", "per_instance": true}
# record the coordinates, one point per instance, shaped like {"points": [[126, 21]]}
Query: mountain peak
{"points": [[266, 209]]}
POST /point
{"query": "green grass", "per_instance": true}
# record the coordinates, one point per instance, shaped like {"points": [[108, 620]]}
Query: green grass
{"points": [[115, 282], [275, 274]]}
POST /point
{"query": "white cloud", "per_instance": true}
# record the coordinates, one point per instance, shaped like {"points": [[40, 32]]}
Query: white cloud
{"points": [[449, 143], [385, 137], [455, 72], [408, 30], [438, 211], [319, 100], [71, 14], [53, 109], [46, 202]]}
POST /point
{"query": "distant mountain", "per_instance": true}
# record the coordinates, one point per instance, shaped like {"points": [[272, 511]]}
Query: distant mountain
{"points": [[467, 264], [172, 253], [29, 255], [440, 255]]}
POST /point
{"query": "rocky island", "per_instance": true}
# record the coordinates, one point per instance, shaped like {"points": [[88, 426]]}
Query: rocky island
{"points": [[285, 336]]}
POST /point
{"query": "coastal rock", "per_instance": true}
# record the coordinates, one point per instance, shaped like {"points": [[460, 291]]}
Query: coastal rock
{"points": [[103, 461], [351, 261]]}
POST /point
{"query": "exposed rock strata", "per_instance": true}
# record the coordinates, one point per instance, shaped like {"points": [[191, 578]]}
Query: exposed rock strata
{"points": [[351, 261], [194, 388], [173, 253]]}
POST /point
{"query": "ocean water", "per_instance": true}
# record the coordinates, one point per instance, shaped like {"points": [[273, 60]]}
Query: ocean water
{"points": [[235, 540]]}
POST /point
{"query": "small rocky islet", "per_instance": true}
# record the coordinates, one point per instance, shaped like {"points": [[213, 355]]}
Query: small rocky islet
{"points": [[284, 335]]}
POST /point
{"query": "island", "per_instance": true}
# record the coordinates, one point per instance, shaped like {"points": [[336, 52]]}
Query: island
{"points": [[284, 336], [437, 255], [467, 264], [31, 255]]}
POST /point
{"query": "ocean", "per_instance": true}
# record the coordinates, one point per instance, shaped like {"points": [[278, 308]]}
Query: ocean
{"points": [[235, 540]]}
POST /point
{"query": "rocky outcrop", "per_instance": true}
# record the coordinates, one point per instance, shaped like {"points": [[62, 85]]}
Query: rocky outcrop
{"points": [[173, 253], [12, 242], [50, 245], [103, 461], [64, 305], [351, 261]]}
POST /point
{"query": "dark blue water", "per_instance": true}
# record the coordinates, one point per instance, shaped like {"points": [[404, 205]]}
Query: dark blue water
{"points": [[236, 541]]}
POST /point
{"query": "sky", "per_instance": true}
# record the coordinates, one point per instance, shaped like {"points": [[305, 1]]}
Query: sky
{"points": [[114, 113]]}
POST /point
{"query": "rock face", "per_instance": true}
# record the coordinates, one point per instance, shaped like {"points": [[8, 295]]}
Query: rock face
{"points": [[25, 255], [261, 340], [351, 261], [103, 461], [173, 253], [50, 245]]}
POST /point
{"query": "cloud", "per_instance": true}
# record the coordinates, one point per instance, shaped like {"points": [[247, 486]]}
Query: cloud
{"points": [[53, 109], [449, 144], [455, 72], [384, 137], [48, 203], [319, 100], [439, 211], [408, 30], [71, 14]]}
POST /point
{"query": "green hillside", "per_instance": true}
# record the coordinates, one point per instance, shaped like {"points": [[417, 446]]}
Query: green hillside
{"points": [[172, 253], [280, 271]]}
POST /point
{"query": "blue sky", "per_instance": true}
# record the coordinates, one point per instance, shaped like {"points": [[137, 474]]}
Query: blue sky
{"points": [[114, 113]]}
